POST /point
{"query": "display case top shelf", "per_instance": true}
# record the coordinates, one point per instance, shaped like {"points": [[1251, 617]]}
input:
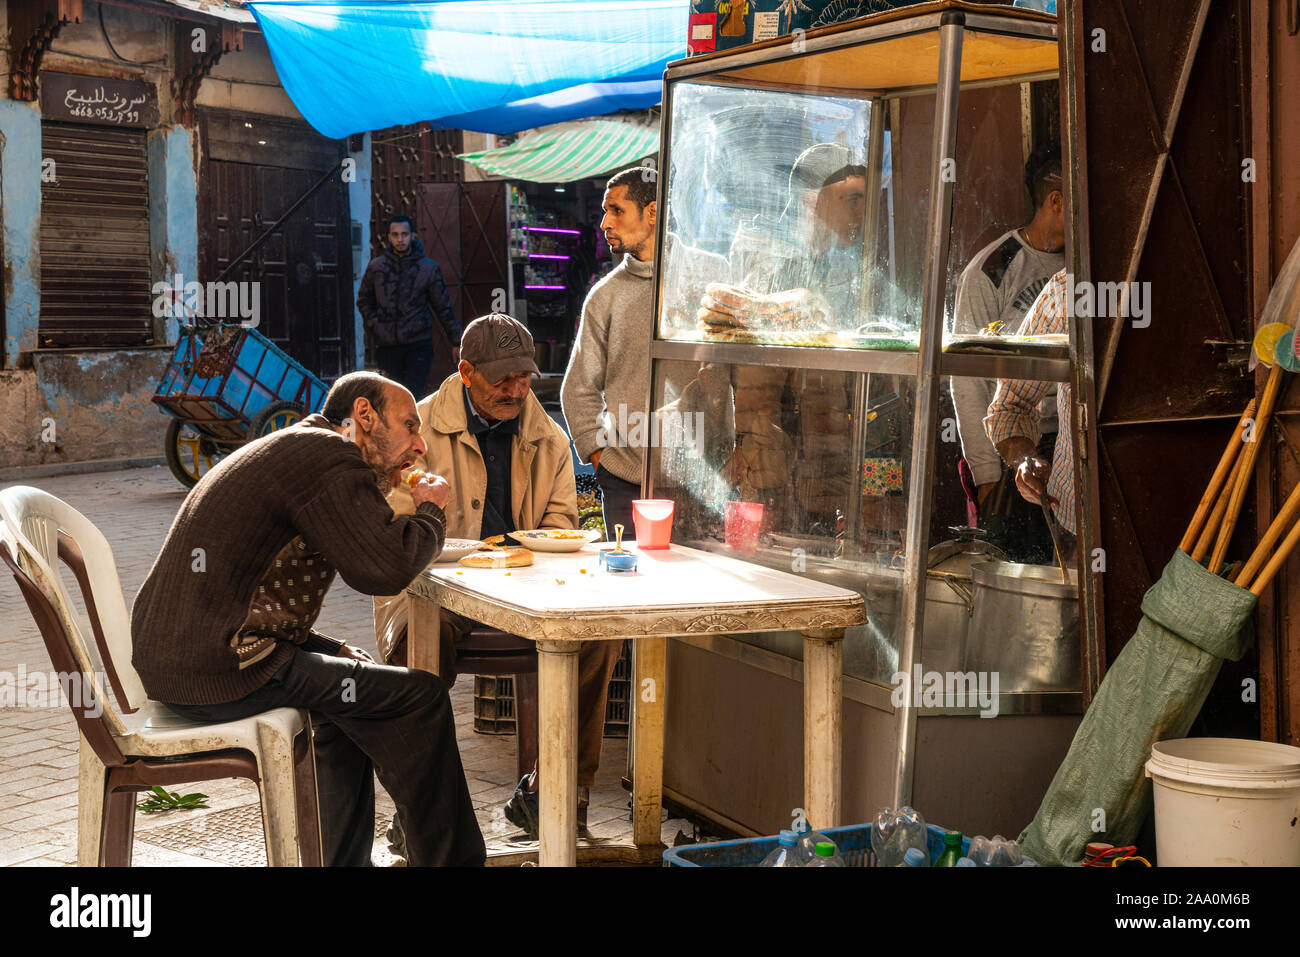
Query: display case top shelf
{"points": [[890, 52]]}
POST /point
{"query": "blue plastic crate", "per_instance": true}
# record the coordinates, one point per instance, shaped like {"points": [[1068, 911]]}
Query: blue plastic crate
{"points": [[854, 842]]}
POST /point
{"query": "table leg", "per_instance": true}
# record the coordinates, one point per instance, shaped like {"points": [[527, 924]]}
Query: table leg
{"points": [[557, 758], [423, 633], [823, 724], [648, 689]]}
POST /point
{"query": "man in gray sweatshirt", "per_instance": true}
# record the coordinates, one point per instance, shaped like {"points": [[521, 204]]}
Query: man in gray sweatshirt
{"points": [[608, 379]]}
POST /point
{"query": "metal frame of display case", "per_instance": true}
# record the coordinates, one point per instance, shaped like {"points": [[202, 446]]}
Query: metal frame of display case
{"points": [[929, 364]]}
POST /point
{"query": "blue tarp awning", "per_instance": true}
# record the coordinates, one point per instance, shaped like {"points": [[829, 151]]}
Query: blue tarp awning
{"points": [[494, 66]]}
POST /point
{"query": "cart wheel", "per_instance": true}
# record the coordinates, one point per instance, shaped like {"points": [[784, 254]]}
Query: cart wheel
{"points": [[276, 416], [190, 454]]}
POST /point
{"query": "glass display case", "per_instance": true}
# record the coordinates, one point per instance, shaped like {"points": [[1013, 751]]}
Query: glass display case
{"points": [[820, 197]]}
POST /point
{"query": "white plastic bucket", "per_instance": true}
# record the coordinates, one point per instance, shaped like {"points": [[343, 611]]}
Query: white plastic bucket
{"points": [[1226, 802]]}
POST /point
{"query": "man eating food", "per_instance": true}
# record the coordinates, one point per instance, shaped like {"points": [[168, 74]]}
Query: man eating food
{"points": [[222, 627]]}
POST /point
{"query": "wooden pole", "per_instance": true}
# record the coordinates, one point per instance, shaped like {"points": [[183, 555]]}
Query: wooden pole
{"points": [[1221, 472], [1284, 518], [1248, 462], [1276, 562], [1211, 529]]}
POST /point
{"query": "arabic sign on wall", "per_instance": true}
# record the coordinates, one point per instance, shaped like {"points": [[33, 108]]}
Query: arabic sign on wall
{"points": [[101, 100]]}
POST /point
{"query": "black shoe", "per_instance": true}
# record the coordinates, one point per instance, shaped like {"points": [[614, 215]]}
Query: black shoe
{"points": [[522, 809]]}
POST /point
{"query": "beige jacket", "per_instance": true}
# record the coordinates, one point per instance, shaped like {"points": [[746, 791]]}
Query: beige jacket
{"points": [[542, 489]]}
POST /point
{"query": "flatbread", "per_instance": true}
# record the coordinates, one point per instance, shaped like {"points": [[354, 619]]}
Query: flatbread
{"points": [[514, 557], [719, 319], [735, 299], [757, 311]]}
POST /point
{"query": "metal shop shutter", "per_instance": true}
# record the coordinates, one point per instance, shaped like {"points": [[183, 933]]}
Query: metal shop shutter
{"points": [[95, 282]]}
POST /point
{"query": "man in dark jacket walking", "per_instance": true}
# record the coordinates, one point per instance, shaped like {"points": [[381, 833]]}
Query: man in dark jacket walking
{"points": [[401, 292]]}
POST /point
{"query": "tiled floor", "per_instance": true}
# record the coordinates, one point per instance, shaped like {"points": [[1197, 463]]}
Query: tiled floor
{"points": [[38, 746]]}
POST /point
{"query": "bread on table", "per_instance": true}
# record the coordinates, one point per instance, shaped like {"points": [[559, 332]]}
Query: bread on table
{"points": [[513, 557]]}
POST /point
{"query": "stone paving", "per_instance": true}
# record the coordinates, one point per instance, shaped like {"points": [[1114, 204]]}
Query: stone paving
{"points": [[38, 746]]}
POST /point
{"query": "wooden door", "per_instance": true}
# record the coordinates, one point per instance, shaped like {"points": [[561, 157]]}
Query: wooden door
{"points": [[463, 229], [1157, 104], [248, 180]]}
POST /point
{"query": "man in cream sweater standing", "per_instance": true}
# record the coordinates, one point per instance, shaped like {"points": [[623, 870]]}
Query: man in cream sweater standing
{"points": [[609, 370]]}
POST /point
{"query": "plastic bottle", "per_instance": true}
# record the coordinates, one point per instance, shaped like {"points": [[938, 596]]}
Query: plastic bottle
{"points": [[826, 856], [915, 857], [951, 850], [965, 862], [981, 850], [1006, 853], [806, 848], [784, 854], [995, 851], [894, 831]]}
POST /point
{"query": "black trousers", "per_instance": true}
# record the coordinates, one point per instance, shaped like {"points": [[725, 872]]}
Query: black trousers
{"points": [[374, 719], [408, 364], [616, 497]]}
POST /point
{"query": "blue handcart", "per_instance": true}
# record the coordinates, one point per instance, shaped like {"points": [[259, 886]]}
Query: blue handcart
{"points": [[226, 385]]}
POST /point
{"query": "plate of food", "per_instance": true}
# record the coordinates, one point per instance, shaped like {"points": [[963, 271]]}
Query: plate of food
{"points": [[454, 549], [556, 539]]}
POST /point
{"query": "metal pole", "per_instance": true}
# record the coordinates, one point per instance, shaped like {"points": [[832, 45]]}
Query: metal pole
{"points": [[868, 303], [510, 256], [1092, 640], [920, 483]]}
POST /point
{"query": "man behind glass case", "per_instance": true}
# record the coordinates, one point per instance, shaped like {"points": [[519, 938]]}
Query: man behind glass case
{"points": [[994, 293], [816, 242]]}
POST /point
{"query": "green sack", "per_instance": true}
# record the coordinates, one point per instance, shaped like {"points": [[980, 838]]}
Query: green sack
{"points": [[1191, 621]]}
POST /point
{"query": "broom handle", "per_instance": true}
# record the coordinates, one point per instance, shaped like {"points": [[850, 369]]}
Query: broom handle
{"points": [[1275, 563], [1209, 533], [1248, 460], [1284, 519], [1221, 472]]}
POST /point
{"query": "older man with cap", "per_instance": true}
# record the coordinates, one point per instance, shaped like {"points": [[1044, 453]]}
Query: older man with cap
{"points": [[509, 467]]}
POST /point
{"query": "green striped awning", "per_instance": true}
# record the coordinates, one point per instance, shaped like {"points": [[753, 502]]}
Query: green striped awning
{"points": [[570, 151]]}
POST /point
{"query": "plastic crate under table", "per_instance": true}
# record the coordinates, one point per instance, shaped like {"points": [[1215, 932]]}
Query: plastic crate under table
{"points": [[853, 841]]}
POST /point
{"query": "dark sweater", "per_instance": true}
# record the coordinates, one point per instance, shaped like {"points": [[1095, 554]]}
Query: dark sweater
{"points": [[190, 616]]}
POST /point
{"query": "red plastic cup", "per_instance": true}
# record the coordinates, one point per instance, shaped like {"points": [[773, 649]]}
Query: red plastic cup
{"points": [[742, 522], [653, 518]]}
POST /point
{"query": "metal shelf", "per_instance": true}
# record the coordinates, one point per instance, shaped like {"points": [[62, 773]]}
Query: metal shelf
{"points": [[787, 357], [1002, 366], [1041, 368]]}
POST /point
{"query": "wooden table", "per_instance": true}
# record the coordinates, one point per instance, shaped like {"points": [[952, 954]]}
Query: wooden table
{"points": [[563, 600]]}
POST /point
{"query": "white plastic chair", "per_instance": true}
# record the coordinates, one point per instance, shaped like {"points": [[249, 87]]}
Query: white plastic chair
{"points": [[144, 743]]}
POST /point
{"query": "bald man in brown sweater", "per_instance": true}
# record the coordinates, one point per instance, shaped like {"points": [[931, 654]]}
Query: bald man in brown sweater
{"points": [[222, 627]]}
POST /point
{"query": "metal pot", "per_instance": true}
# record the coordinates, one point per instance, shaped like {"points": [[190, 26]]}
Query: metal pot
{"points": [[1025, 626], [949, 600]]}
